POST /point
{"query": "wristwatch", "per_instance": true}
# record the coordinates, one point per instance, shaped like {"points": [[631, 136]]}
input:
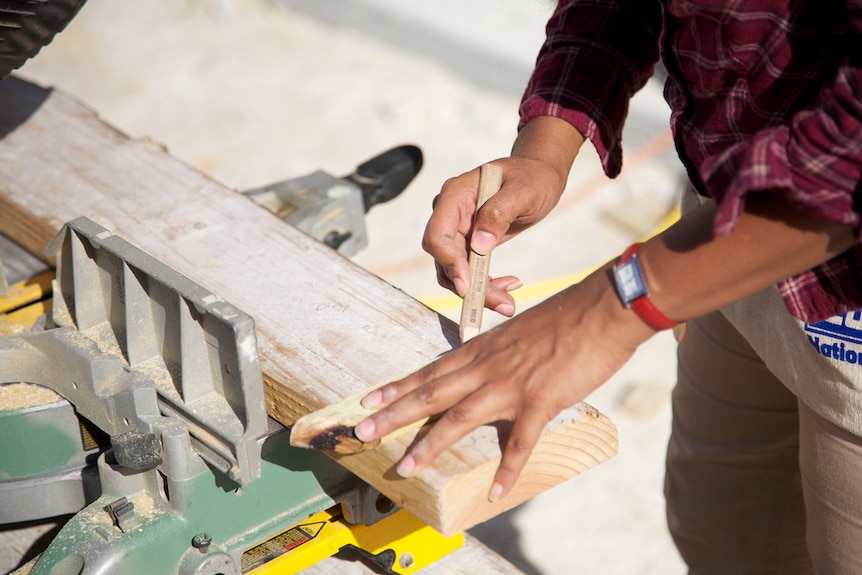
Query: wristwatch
{"points": [[633, 291]]}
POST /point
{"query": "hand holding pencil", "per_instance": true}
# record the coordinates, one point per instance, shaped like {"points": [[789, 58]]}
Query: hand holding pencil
{"points": [[490, 180]]}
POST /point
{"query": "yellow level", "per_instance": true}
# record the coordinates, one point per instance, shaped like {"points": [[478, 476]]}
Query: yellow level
{"points": [[409, 544]]}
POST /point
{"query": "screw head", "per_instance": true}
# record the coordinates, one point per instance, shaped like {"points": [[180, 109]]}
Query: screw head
{"points": [[202, 541], [406, 560]]}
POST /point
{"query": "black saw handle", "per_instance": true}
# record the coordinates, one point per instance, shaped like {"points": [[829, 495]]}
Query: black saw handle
{"points": [[385, 176], [27, 25]]}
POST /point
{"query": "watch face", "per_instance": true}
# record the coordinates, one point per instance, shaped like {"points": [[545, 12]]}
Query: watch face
{"points": [[630, 284]]}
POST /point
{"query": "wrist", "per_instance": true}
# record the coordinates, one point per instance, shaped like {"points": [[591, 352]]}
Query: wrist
{"points": [[596, 297], [631, 287], [633, 292], [550, 140], [621, 321]]}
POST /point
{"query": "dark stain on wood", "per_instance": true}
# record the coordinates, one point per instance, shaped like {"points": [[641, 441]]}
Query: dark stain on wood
{"points": [[339, 439]]}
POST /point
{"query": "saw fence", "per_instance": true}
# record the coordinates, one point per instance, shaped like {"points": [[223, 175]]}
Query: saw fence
{"points": [[326, 328]]}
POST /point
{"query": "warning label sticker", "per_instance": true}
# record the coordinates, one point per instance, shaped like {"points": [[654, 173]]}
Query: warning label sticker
{"points": [[282, 543]]}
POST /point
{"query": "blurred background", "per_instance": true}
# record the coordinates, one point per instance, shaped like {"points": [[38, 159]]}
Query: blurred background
{"points": [[255, 91]]}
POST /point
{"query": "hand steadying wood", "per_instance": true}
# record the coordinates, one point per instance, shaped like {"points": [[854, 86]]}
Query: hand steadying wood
{"points": [[331, 429], [490, 180]]}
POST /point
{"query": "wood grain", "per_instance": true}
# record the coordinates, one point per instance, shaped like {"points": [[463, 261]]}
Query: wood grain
{"points": [[326, 328]]}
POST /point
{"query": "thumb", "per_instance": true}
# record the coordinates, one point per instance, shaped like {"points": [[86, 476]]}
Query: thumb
{"points": [[482, 242]]}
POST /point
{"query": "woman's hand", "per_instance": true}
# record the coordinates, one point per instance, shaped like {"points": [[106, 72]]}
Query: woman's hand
{"points": [[528, 369], [524, 371], [534, 178]]}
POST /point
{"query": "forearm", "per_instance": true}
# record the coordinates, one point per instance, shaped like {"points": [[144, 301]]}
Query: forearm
{"points": [[580, 79], [551, 140], [690, 271]]}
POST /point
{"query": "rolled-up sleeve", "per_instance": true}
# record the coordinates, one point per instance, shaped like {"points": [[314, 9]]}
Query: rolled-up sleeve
{"points": [[595, 57], [815, 161]]}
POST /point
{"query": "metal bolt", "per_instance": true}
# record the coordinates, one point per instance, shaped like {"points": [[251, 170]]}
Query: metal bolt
{"points": [[202, 542], [406, 560]]}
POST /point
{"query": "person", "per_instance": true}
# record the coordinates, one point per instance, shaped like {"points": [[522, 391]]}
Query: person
{"points": [[764, 267]]}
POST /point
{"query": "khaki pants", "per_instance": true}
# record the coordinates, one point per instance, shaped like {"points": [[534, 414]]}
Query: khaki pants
{"points": [[759, 481]]}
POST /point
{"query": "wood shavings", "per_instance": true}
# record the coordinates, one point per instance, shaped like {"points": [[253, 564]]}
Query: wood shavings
{"points": [[15, 396], [145, 507]]}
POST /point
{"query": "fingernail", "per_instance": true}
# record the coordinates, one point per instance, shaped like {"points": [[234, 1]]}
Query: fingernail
{"points": [[496, 493], [372, 400], [505, 309], [365, 430], [514, 285], [482, 242], [460, 286], [406, 466]]}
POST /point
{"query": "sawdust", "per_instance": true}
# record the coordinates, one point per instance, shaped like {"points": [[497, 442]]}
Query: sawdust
{"points": [[23, 395], [145, 507]]}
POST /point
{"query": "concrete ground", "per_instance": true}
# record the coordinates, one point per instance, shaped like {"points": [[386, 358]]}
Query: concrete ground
{"points": [[254, 91]]}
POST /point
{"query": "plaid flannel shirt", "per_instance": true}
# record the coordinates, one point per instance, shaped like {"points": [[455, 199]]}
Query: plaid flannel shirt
{"points": [[765, 95]]}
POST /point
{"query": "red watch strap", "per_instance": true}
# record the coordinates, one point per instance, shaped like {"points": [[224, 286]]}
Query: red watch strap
{"points": [[651, 315], [630, 252], [642, 306]]}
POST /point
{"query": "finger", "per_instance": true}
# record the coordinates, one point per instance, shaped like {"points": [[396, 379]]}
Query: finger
{"points": [[454, 207], [484, 405], [386, 394], [507, 283], [454, 276], [450, 258], [523, 439], [460, 419], [498, 297], [448, 227], [443, 278], [417, 396], [497, 294]]}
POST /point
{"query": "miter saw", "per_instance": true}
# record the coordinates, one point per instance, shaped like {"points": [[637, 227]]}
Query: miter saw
{"points": [[138, 405]]}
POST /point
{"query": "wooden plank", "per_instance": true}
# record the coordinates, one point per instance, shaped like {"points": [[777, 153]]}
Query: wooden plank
{"points": [[327, 329]]}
